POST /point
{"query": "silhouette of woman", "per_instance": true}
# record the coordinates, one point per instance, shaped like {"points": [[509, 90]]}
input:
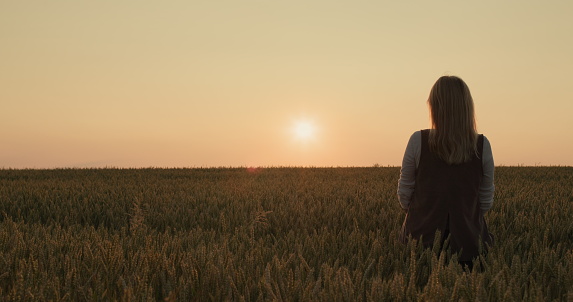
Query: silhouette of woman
{"points": [[446, 180]]}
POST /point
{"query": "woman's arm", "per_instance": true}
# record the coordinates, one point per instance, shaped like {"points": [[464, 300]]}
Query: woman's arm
{"points": [[487, 187], [410, 161]]}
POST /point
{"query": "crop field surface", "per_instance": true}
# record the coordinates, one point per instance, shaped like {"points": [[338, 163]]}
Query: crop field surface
{"points": [[268, 234]]}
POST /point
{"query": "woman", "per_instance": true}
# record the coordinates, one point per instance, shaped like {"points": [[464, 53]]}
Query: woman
{"points": [[446, 180]]}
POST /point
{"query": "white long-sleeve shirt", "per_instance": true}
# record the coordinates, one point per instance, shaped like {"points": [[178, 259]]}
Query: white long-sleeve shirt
{"points": [[407, 181]]}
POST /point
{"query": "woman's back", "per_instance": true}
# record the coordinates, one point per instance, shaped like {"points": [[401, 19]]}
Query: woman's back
{"points": [[446, 198], [446, 181]]}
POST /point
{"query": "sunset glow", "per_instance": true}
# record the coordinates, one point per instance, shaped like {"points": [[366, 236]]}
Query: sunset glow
{"points": [[304, 130], [267, 83]]}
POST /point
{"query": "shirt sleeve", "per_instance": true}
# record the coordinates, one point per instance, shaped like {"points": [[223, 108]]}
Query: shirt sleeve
{"points": [[487, 187], [410, 161]]}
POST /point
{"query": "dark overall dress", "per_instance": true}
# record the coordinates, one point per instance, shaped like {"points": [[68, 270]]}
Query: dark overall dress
{"points": [[446, 198]]}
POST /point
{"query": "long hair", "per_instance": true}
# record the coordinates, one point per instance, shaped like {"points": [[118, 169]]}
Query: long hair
{"points": [[453, 137]]}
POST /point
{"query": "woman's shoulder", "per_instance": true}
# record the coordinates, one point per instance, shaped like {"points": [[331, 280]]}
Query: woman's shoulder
{"points": [[486, 151], [485, 140], [415, 139], [417, 135], [486, 144], [419, 132]]}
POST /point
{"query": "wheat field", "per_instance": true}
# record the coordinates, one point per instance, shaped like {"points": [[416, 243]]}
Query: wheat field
{"points": [[272, 234]]}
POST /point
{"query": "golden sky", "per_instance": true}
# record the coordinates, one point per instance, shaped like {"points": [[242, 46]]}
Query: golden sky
{"points": [[274, 83]]}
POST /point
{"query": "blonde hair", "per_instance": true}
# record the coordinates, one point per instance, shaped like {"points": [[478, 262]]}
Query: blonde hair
{"points": [[453, 137]]}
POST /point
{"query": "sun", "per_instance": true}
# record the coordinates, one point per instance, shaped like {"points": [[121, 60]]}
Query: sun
{"points": [[304, 130]]}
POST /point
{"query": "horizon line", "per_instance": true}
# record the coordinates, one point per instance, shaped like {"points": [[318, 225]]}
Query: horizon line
{"points": [[250, 167]]}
